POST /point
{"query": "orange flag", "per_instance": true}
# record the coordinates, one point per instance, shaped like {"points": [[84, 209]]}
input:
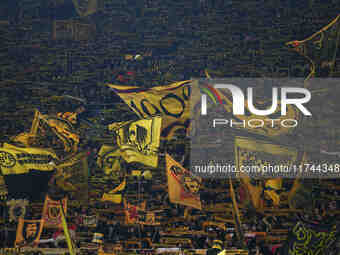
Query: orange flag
{"points": [[183, 186]]}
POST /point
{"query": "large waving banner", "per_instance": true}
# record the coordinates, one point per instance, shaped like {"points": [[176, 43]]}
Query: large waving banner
{"points": [[51, 212], [18, 160], [139, 140], [28, 232], [320, 49], [305, 239], [170, 101], [183, 186], [62, 128], [263, 158], [257, 158]]}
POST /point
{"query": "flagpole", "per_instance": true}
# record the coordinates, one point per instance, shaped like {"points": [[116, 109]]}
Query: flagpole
{"points": [[66, 231], [236, 216]]}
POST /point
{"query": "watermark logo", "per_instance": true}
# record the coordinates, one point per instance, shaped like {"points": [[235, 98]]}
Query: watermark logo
{"points": [[238, 100]]}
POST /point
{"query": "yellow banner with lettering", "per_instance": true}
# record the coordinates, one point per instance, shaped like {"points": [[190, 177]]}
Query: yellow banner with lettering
{"points": [[169, 101], [17, 160]]}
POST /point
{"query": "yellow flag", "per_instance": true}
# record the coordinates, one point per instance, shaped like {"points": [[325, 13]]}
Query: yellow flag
{"points": [[52, 213], [63, 129], [17, 160], [28, 232], [114, 195], [109, 158], [114, 198], [147, 218], [132, 212], [24, 138], [139, 141], [183, 186], [74, 159], [170, 101], [320, 49], [272, 186], [259, 157]]}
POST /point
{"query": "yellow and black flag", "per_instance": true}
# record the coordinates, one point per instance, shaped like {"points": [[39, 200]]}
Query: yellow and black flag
{"points": [[17, 209], [257, 158], [169, 101], [114, 195], [52, 212], [18, 160], [28, 232], [62, 128], [311, 239], [148, 218], [183, 186], [139, 140], [320, 49], [132, 212], [26, 171], [109, 159]]}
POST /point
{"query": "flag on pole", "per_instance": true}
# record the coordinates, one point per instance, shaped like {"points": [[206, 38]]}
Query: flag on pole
{"points": [[257, 156], [320, 49], [52, 213], [183, 186], [28, 232], [139, 140], [169, 101]]}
